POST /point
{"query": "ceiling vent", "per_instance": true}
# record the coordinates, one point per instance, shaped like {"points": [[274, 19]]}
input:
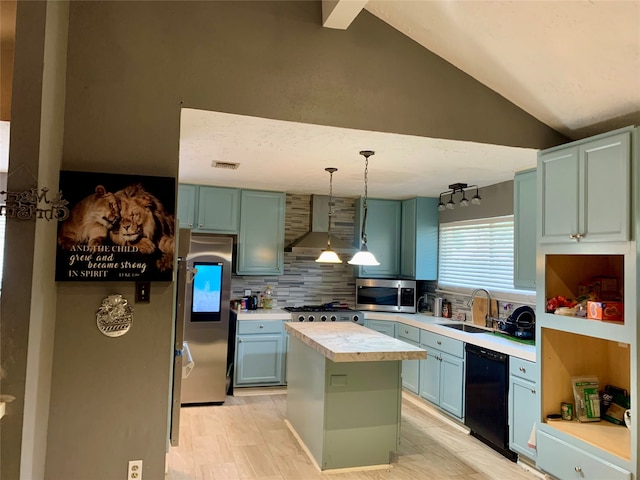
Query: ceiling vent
{"points": [[225, 165], [313, 242]]}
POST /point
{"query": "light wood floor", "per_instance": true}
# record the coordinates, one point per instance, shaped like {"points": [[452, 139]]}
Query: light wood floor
{"points": [[247, 439]]}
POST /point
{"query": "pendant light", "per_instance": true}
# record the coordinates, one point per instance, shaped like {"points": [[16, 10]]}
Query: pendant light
{"points": [[328, 255], [364, 256]]}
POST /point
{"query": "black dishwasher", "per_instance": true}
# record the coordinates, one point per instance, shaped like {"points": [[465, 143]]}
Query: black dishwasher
{"points": [[486, 393]]}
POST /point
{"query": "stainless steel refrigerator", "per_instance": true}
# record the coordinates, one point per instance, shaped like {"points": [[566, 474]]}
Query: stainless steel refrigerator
{"points": [[202, 321]]}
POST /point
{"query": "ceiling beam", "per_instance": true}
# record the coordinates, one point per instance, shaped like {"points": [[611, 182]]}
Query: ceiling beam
{"points": [[340, 13]]}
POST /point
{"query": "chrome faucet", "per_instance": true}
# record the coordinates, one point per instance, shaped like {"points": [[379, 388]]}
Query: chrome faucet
{"points": [[487, 318]]}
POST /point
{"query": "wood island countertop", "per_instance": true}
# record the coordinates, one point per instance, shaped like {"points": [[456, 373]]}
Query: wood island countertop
{"points": [[350, 342]]}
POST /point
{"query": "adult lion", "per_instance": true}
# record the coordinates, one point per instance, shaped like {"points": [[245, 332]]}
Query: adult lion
{"points": [[144, 224], [90, 220]]}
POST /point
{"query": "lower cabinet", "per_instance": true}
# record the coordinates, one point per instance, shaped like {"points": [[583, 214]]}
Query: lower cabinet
{"points": [[382, 326], [524, 405], [442, 373], [260, 352], [410, 368], [565, 461]]}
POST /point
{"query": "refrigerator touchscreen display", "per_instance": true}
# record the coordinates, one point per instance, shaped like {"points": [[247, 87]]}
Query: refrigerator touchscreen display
{"points": [[207, 289]]}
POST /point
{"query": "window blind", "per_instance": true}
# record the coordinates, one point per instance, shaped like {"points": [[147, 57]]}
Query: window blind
{"points": [[477, 253]]}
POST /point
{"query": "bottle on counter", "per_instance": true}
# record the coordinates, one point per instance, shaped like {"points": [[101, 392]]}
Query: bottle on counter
{"points": [[446, 309], [267, 299]]}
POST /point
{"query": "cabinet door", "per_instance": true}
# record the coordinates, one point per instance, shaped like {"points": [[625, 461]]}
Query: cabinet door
{"points": [[408, 244], [524, 220], [387, 328], [187, 206], [261, 237], [218, 209], [383, 236], [605, 167], [559, 178], [411, 372], [430, 376], [565, 461], [523, 414], [452, 384], [419, 246], [259, 359]]}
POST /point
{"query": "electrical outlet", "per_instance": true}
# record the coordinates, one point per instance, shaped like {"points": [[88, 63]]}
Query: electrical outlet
{"points": [[135, 470], [247, 292]]}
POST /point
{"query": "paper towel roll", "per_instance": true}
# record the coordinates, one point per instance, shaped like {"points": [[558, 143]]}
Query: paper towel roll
{"points": [[187, 360]]}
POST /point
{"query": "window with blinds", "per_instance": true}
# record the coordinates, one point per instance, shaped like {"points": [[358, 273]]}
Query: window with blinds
{"points": [[477, 253]]}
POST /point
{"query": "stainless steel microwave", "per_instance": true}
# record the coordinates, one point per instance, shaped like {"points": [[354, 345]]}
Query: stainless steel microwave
{"points": [[381, 295]]}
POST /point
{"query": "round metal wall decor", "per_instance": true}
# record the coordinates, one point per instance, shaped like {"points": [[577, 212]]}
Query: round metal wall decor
{"points": [[115, 316]]}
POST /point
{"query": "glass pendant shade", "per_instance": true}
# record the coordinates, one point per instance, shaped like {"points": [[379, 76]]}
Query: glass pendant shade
{"points": [[364, 257], [441, 205], [464, 202], [476, 199], [451, 204], [328, 256]]}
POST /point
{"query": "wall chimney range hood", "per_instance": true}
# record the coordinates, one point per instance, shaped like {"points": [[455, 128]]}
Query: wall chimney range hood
{"points": [[311, 243]]}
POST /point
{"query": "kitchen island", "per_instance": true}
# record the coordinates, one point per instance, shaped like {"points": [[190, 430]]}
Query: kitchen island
{"points": [[344, 392]]}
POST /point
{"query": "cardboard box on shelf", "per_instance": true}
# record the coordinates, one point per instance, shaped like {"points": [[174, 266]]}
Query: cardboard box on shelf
{"points": [[606, 284], [612, 311]]}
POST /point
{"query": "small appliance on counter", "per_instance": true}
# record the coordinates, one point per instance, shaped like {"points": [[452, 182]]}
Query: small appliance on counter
{"points": [[520, 324]]}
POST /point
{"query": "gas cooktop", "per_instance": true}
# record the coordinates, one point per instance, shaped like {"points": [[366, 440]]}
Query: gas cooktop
{"points": [[325, 313]]}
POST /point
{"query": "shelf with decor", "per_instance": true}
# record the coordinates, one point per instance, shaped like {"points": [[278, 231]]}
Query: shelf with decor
{"points": [[580, 274]]}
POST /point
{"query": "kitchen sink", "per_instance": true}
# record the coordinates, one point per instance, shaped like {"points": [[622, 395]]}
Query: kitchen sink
{"points": [[465, 328]]}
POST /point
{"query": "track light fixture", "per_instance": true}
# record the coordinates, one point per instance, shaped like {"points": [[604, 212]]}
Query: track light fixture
{"points": [[464, 201]]}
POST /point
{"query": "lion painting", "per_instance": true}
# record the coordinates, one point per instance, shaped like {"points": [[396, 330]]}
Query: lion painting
{"points": [[90, 220], [144, 224]]}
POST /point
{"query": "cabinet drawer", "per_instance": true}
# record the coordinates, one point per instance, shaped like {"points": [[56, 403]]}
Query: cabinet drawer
{"points": [[523, 369], [566, 461], [445, 344], [258, 326], [407, 332]]}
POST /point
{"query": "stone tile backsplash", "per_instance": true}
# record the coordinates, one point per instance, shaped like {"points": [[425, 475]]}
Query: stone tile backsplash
{"points": [[306, 282]]}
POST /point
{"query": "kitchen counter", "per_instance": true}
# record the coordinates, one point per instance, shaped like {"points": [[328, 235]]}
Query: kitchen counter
{"points": [[349, 342], [433, 324], [263, 314]]}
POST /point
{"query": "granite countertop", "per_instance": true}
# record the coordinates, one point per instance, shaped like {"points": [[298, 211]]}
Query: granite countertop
{"points": [[350, 342]]}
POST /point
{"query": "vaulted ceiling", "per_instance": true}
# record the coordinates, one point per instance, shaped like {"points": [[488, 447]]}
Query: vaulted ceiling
{"points": [[573, 65]]}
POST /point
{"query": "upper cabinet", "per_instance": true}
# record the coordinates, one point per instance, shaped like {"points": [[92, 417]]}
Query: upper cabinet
{"points": [[261, 237], [524, 221], [209, 209], [419, 243], [584, 189], [383, 235]]}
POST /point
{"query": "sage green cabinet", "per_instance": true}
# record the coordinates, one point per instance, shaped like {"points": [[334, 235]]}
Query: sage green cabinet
{"points": [[442, 373], [524, 405], [410, 368], [384, 220], [208, 209], [261, 236], [524, 230], [382, 326], [585, 190], [187, 205], [419, 241], [218, 209], [260, 353]]}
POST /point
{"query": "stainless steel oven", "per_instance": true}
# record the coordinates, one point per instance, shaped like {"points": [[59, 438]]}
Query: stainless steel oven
{"points": [[380, 295]]}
